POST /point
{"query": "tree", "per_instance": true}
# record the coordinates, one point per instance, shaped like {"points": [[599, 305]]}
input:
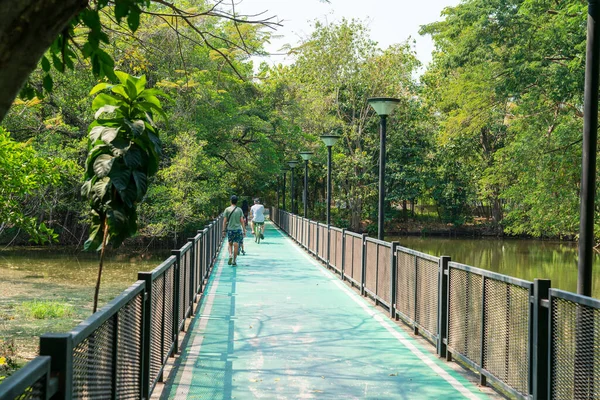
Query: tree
{"points": [[124, 151], [31, 27], [337, 69], [507, 81]]}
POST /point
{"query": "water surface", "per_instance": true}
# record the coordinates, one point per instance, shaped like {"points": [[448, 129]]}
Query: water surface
{"points": [[525, 259]]}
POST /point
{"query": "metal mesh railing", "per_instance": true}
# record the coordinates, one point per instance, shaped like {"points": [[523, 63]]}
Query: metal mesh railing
{"points": [[30, 382], [575, 346], [104, 349], [313, 237], [129, 350], [335, 249], [370, 283], [120, 351], [322, 245], [489, 324], [427, 294]]}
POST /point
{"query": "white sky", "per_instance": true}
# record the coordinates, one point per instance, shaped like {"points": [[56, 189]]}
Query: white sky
{"points": [[390, 21]]}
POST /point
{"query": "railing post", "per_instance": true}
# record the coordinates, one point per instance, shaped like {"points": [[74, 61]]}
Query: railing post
{"points": [[191, 279], [59, 346], [393, 274], [317, 239], [176, 299], [343, 254], [328, 244], [208, 245], [482, 377], [539, 344], [363, 268], [200, 287], [443, 306], [146, 333]]}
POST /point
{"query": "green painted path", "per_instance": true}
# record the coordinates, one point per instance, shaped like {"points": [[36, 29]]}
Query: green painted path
{"points": [[280, 326]]}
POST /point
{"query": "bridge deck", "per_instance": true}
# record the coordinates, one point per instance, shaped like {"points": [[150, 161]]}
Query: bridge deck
{"points": [[280, 326]]}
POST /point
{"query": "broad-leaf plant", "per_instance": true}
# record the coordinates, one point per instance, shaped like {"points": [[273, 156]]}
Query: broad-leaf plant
{"points": [[123, 152]]}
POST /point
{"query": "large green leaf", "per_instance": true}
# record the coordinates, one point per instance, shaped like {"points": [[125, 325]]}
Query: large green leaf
{"points": [[133, 157], [99, 87], [108, 109], [99, 189], [137, 127], [140, 84], [120, 176], [141, 183], [105, 99], [104, 133], [86, 188], [103, 164]]}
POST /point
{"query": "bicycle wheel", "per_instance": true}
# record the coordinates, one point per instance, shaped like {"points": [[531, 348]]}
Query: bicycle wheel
{"points": [[257, 233]]}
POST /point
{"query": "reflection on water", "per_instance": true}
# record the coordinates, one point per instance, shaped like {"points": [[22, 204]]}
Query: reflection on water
{"points": [[62, 265], [525, 259]]}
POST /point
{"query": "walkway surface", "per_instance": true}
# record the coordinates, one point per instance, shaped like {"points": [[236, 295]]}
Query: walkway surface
{"points": [[280, 326]]}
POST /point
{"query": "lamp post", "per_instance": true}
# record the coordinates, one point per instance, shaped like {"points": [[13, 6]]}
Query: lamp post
{"points": [[382, 106], [329, 141], [284, 170], [306, 155], [292, 164]]}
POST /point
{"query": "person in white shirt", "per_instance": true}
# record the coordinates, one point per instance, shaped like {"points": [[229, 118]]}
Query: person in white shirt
{"points": [[257, 213]]}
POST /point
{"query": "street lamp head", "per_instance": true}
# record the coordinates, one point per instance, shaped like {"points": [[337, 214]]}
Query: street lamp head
{"points": [[383, 105], [306, 155], [329, 140], [292, 163], [285, 169]]}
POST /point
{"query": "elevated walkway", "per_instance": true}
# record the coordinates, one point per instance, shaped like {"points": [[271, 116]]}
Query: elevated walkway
{"points": [[280, 326]]}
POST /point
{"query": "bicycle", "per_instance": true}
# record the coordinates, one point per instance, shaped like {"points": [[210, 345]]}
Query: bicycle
{"points": [[257, 232]]}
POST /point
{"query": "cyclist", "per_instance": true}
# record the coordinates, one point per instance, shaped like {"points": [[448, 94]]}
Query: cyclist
{"points": [[233, 225], [257, 212]]}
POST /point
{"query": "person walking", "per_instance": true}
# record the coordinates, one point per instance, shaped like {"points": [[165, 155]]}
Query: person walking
{"points": [[258, 217], [233, 225]]}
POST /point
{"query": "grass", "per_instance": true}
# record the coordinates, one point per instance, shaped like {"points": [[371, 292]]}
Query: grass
{"points": [[46, 309]]}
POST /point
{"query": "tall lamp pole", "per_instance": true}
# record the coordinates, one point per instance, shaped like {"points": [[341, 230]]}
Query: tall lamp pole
{"points": [[590, 138], [284, 170], [329, 141], [306, 155], [292, 164], [382, 106]]}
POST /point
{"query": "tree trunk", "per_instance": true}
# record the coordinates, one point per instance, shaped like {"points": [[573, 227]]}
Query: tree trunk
{"points": [[27, 29], [97, 291]]}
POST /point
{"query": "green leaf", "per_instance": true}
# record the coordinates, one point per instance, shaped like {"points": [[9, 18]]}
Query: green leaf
{"points": [[120, 147], [133, 157], [47, 83], [141, 183], [94, 240], [103, 165], [45, 64], [131, 89], [99, 87], [121, 10], [137, 127], [104, 133], [105, 109], [104, 99], [86, 188], [99, 189], [133, 19], [122, 77], [120, 90], [120, 177], [140, 83]]}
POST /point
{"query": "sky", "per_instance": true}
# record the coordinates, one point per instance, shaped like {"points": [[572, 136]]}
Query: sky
{"points": [[390, 21]]}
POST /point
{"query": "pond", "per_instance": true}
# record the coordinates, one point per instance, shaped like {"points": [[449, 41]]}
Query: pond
{"points": [[525, 259], [52, 289]]}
